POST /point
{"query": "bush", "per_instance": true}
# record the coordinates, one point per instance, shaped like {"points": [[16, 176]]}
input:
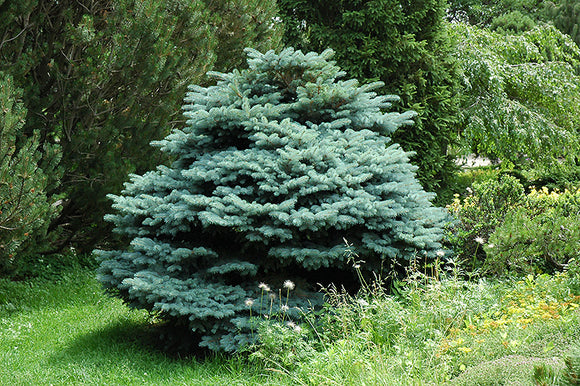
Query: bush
{"points": [[479, 214], [541, 235], [573, 272], [501, 230], [278, 164]]}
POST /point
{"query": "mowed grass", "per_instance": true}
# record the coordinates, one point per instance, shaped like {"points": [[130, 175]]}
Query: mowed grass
{"points": [[68, 332]]}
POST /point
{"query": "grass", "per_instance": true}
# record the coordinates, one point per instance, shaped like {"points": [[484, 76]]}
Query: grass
{"points": [[69, 332], [66, 331], [438, 332]]}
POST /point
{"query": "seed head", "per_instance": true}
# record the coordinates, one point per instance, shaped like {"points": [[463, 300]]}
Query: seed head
{"points": [[249, 302], [284, 308], [289, 285], [479, 240], [264, 287], [440, 253]]}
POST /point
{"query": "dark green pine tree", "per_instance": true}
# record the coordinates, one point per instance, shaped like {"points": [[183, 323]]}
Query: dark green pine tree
{"points": [[277, 165], [565, 15], [103, 78], [511, 16], [25, 208]]}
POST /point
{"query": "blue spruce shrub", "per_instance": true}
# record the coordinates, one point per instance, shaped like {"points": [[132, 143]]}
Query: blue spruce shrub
{"points": [[278, 163]]}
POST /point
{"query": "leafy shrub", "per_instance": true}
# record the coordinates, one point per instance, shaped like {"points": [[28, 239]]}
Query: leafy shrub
{"points": [[278, 164], [478, 215], [557, 177], [541, 235], [573, 272], [520, 97], [468, 176]]}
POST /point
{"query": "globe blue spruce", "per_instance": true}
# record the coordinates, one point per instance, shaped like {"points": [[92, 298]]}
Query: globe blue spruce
{"points": [[278, 164]]}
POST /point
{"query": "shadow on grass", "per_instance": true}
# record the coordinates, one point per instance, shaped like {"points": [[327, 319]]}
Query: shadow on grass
{"points": [[128, 352], [134, 339]]}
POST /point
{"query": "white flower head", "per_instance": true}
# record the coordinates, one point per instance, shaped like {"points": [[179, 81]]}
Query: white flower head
{"points": [[297, 328], [491, 245], [289, 285], [479, 240], [249, 302], [284, 308], [440, 253], [264, 287], [291, 324]]}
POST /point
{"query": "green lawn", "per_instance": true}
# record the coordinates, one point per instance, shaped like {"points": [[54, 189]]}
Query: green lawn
{"points": [[67, 332]]}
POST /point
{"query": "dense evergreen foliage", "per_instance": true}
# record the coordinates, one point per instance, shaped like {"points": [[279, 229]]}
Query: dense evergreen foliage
{"points": [[504, 15], [403, 44], [102, 78], [277, 165], [565, 15], [25, 208]]}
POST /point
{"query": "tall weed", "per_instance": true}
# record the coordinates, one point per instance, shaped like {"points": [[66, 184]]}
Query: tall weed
{"points": [[434, 329]]}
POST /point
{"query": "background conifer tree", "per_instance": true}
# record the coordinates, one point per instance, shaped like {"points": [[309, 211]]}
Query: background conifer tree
{"points": [[565, 15], [506, 15], [278, 163], [25, 208], [103, 78], [403, 44]]}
